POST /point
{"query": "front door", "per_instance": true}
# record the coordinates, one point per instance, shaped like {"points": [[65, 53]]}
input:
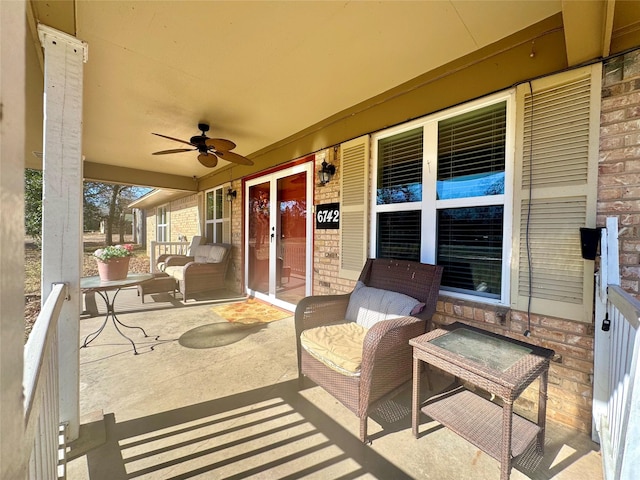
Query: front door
{"points": [[278, 240]]}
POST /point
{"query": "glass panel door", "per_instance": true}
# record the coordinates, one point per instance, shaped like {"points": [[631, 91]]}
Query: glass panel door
{"points": [[259, 237], [291, 245], [278, 262]]}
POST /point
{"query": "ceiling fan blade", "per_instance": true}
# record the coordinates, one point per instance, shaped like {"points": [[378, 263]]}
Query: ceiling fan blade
{"points": [[174, 139], [221, 144], [209, 160], [175, 150], [235, 158]]}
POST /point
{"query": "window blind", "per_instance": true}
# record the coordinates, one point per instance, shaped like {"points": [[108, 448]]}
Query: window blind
{"points": [[400, 168], [471, 153], [470, 249], [399, 235]]}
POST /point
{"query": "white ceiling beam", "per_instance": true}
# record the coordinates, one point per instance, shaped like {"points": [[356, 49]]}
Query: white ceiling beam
{"points": [[587, 29]]}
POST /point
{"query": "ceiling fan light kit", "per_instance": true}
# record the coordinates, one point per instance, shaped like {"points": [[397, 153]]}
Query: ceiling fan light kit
{"points": [[209, 149]]}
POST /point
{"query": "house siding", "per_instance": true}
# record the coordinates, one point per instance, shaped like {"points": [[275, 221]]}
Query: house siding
{"points": [[619, 162]]}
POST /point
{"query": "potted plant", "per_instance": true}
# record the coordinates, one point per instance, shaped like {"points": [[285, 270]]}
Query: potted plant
{"points": [[113, 261]]}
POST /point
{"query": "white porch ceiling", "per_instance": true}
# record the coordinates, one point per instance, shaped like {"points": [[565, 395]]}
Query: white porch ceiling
{"points": [[257, 71]]}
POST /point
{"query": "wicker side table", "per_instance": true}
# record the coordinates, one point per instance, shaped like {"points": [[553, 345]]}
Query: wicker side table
{"points": [[499, 365]]}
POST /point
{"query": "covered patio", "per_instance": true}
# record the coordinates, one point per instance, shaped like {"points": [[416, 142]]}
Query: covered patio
{"points": [[295, 84], [234, 409]]}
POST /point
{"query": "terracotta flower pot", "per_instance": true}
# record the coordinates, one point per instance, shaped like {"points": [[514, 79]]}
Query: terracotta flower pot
{"points": [[114, 269]]}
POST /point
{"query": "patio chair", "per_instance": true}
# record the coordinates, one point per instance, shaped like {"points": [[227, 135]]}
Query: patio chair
{"points": [[392, 302], [205, 271]]}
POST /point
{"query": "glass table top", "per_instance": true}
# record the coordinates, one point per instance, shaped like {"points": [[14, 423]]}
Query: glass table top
{"points": [[485, 350], [94, 283]]}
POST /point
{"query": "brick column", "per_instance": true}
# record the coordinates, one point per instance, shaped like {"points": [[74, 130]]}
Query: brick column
{"points": [[619, 163]]}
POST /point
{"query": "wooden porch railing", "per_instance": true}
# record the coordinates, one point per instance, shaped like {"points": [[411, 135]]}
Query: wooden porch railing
{"points": [[41, 392], [616, 398], [165, 248]]}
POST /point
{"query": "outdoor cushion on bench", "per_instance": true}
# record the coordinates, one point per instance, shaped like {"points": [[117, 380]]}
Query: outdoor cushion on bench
{"points": [[205, 271]]}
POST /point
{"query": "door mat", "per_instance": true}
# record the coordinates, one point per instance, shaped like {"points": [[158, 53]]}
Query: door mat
{"points": [[251, 311]]}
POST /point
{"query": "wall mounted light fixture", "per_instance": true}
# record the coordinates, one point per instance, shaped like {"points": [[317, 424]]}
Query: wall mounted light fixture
{"points": [[325, 173], [231, 194]]}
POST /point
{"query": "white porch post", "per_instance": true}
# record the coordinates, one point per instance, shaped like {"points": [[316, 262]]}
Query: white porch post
{"points": [[13, 32], [64, 56]]}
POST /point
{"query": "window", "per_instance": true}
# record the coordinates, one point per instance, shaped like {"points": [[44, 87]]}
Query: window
{"points": [[162, 216], [440, 195], [214, 220]]}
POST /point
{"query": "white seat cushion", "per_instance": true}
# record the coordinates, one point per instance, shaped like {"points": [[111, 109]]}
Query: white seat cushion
{"points": [[368, 305], [176, 271]]}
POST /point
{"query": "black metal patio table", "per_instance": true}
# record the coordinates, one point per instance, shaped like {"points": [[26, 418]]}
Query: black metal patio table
{"points": [[102, 288]]}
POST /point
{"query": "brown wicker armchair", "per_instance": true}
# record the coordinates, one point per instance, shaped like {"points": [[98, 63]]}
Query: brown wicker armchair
{"points": [[386, 354]]}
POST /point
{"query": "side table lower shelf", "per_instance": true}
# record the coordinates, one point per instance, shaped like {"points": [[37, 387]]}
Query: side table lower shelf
{"points": [[479, 421]]}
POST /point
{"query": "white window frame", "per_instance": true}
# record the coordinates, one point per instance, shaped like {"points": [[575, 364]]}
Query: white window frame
{"points": [[164, 227], [429, 205], [215, 221]]}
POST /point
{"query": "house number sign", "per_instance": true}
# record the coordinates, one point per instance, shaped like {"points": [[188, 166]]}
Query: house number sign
{"points": [[328, 216]]}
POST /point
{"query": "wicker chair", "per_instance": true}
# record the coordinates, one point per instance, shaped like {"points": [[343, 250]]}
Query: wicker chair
{"points": [[386, 357], [197, 274]]}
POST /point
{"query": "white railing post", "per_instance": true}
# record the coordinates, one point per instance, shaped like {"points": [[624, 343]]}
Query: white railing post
{"points": [[616, 389], [602, 343]]}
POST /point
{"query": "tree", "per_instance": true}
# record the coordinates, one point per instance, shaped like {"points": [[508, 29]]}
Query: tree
{"points": [[110, 202], [33, 204], [102, 201]]}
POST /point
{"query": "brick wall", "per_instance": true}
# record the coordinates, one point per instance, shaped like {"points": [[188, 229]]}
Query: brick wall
{"points": [[619, 163], [236, 272], [151, 227], [326, 243], [184, 218]]}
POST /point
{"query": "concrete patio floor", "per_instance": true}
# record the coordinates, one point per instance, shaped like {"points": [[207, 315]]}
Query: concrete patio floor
{"points": [[229, 406]]}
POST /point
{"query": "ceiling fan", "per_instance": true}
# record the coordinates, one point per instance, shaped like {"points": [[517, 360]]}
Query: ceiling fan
{"points": [[209, 148]]}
